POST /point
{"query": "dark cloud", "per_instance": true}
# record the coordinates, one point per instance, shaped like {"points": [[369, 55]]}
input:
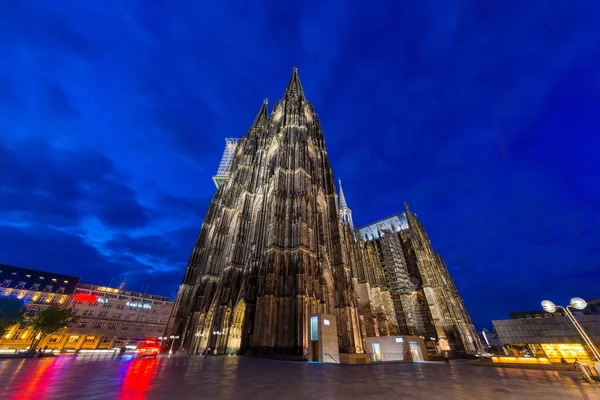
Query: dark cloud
{"points": [[58, 102], [42, 183]]}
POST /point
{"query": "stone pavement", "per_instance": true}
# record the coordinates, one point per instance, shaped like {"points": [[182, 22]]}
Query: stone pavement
{"points": [[230, 377]]}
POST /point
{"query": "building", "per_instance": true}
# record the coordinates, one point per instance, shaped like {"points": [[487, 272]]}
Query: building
{"points": [[112, 318], [416, 281], [277, 246], [541, 334], [108, 317], [38, 290]]}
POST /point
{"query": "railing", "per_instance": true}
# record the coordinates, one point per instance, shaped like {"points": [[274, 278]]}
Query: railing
{"points": [[327, 354]]}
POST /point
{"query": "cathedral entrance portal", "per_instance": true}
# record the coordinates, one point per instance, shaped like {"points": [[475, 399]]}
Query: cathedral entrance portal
{"points": [[237, 325]]}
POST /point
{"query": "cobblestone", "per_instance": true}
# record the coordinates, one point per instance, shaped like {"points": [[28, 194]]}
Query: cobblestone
{"points": [[230, 377]]}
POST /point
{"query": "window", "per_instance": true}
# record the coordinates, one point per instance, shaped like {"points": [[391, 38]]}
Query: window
{"points": [[35, 286], [90, 339], [125, 327], [42, 278], [21, 285], [103, 314], [61, 290], [118, 316], [120, 307], [112, 327], [27, 276], [48, 288], [53, 279], [83, 324], [74, 312], [32, 311], [314, 328], [54, 339], [73, 339], [87, 313], [137, 328], [104, 340], [6, 283], [107, 305], [97, 325], [66, 282]]}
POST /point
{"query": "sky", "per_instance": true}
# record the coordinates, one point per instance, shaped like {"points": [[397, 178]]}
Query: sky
{"points": [[483, 115]]}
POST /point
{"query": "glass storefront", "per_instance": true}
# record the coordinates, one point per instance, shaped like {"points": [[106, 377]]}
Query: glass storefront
{"points": [[569, 351]]}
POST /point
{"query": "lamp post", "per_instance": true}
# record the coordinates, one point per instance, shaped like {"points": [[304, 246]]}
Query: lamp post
{"points": [[579, 304], [172, 337]]}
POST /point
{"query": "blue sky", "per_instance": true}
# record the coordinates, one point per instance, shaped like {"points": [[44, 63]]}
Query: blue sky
{"points": [[484, 116]]}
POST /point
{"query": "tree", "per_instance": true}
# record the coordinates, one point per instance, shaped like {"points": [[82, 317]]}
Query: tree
{"points": [[48, 321], [11, 313]]}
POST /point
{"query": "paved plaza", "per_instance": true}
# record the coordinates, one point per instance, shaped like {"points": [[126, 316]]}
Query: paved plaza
{"points": [[230, 377]]}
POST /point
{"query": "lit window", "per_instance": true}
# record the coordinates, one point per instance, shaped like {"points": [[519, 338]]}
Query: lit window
{"points": [[28, 276], [326, 322], [73, 339], [66, 281], [53, 279], [399, 340], [41, 277], [314, 328], [90, 339]]}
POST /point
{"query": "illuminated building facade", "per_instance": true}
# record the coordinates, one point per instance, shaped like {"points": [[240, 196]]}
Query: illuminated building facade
{"points": [[38, 290], [278, 245], [545, 335], [424, 298], [108, 317]]}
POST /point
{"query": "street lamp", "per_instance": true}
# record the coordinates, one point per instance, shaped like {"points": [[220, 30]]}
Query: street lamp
{"points": [[579, 304], [172, 337]]}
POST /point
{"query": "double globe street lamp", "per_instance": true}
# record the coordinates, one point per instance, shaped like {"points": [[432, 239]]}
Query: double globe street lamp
{"points": [[578, 304]]}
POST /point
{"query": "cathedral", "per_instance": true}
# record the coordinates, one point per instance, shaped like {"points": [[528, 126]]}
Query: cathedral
{"points": [[278, 245]]}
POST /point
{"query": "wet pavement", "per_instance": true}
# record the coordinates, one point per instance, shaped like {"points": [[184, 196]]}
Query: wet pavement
{"points": [[230, 377]]}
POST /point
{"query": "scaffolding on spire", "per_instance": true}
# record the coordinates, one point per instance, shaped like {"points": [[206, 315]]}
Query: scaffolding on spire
{"points": [[226, 161]]}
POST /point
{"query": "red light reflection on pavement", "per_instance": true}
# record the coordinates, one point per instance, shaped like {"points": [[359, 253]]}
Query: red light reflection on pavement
{"points": [[38, 382], [137, 379]]}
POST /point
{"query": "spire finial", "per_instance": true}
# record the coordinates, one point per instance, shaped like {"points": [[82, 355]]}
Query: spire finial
{"points": [[265, 101], [294, 88]]}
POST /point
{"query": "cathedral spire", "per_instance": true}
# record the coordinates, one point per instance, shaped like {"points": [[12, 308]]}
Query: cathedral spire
{"points": [[294, 88], [345, 212], [262, 117]]}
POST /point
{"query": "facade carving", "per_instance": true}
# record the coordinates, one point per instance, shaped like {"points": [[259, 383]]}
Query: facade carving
{"points": [[277, 245]]}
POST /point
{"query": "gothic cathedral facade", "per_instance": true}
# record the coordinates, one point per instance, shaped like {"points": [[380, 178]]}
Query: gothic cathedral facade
{"points": [[277, 245]]}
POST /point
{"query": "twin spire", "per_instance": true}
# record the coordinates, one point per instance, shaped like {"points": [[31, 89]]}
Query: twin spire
{"points": [[293, 90]]}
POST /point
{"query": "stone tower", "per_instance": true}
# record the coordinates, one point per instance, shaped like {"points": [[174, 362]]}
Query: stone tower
{"points": [[271, 250]]}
